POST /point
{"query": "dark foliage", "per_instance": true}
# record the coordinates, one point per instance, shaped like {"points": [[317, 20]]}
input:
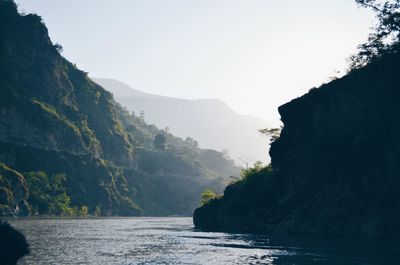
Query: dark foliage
{"points": [[385, 37], [160, 142]]}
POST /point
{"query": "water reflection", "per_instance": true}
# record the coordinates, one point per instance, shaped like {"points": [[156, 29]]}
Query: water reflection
{"points": [[134, 241]]}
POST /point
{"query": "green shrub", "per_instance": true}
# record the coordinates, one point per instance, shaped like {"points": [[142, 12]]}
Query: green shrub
{"points": [[207, 196], [47, 195]]}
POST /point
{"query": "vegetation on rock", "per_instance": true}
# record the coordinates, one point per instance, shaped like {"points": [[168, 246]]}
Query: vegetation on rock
{"points": [[73, 150]]}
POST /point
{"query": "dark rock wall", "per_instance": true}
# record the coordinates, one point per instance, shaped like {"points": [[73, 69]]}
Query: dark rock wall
{"points": [[335, 167]]}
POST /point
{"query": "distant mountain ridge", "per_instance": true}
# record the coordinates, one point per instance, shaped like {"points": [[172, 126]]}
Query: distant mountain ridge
{"points": [[211, 122]]}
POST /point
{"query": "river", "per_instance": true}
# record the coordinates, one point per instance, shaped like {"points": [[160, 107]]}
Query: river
{"points": [[172, 240]]}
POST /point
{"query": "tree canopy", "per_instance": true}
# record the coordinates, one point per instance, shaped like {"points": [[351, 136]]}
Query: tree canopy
{"points": [[207, 195], [385, 35], [160, 142]]}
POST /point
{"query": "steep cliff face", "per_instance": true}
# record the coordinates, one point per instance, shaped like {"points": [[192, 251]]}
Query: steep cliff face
{"points": [[64, 132], [53, 118], [46, 101], [339, 150], [335, 167]]}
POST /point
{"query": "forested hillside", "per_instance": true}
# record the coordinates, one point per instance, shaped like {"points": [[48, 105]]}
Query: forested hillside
{"points": [[66, 147]]}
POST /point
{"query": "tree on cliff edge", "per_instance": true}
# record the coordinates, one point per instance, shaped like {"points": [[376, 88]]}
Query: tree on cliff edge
{"points": [[385, 37]]}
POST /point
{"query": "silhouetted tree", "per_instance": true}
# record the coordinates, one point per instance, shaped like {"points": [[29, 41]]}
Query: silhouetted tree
{"points": [[58, 47], [272, 133], [385, 36], [13, 245], [191, 142], [160, 142], [141, 116]]}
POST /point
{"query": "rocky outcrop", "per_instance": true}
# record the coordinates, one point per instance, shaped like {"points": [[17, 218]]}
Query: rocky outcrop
{"points": [[335, 166]]}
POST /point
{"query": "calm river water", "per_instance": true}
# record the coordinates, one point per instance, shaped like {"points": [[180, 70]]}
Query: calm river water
{"points": [[173, 241]]}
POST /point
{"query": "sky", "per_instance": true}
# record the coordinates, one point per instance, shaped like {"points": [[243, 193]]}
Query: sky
{"points": [[254, 54]]}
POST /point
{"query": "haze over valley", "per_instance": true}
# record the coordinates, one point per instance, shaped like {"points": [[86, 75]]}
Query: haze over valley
{"points": [[211, 122]]}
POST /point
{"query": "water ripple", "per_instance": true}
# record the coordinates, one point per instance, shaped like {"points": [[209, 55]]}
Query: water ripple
{"points": [[147, 241]]}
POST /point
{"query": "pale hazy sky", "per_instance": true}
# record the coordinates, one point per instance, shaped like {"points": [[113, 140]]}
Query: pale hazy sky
{"points": [[253, 54]]}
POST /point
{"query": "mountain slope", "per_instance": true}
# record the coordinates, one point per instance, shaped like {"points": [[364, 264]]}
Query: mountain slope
{"points": [[206, 120], [335, 168], [50, 108], [62, 132]]}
